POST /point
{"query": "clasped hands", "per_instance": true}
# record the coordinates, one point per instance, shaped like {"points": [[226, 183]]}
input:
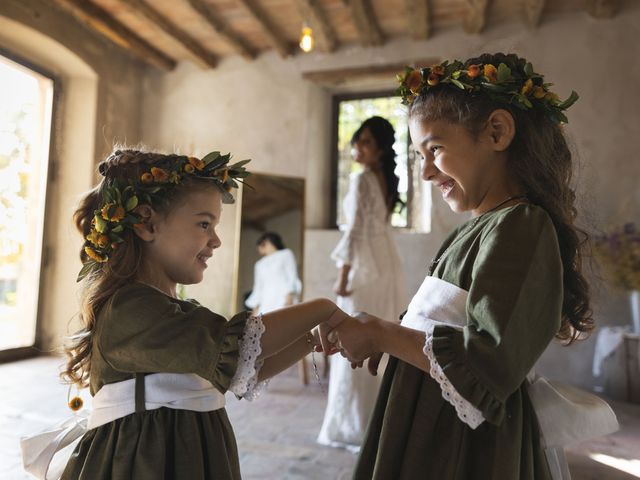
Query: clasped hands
{"points": [[355, 337]]}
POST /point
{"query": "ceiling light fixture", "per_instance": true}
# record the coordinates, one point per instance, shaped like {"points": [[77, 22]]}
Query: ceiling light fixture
{"points": [[306, 39]]}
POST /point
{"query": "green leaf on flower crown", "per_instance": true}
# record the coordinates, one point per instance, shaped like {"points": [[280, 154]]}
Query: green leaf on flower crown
{"points": [[131, 219], [528, 69], [87, 267], [108, 196], [210, 157], [504, 73], [117, 229], [101, 224], [457, 83], [131, 203], [569, 101], [238, 164], [492, 87]]}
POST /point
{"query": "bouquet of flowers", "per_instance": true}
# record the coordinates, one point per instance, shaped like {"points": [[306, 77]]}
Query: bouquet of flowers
{"points": [[618, 251]]}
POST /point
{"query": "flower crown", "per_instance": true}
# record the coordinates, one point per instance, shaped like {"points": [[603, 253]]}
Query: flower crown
{"points": [[522, 88], [119, 200]]}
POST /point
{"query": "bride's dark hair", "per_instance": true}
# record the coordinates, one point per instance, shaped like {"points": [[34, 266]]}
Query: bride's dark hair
{"points": [[384, 134]]}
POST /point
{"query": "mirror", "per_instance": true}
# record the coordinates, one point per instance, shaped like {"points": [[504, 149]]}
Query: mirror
{"points": [[273, 204]]}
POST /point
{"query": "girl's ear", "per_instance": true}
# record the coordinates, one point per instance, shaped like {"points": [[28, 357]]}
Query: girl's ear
{"points": [[501, 129], [145, 229]]}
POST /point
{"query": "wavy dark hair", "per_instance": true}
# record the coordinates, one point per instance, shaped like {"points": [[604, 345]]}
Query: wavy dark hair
{"points": [[541, 161], [124, 263], [384, 135], [274, 238]]}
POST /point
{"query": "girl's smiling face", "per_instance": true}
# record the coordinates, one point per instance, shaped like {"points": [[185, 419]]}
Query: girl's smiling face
{"points": [[179, 244], [471, 173]]}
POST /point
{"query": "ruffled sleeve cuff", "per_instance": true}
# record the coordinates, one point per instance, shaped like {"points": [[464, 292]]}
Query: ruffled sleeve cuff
{"points": [[467, 413], [446, 351], [245, 381]]}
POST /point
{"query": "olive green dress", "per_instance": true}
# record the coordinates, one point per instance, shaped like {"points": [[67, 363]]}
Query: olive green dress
{"points": [[509, 262], [142, 330]]}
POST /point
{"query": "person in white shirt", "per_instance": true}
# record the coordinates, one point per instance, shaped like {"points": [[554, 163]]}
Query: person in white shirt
{"points": [[275, 279]]}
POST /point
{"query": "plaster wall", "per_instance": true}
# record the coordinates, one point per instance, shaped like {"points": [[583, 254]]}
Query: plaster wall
{"points": [[96, 104]]}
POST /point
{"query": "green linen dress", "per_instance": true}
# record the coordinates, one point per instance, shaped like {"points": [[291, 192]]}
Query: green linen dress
{"points": [[509, 262], [142, 330]]}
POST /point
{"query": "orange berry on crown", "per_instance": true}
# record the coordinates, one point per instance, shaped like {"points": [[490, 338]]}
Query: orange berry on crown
{"points": [[433, 79], [160, 175], [538, 92], [196, 162], [491, 73], [437, 69], [146, 178], [473, 71], [413, 81]]}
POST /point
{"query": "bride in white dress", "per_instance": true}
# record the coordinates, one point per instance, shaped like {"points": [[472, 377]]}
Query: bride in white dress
{"points": [[370, 277]]}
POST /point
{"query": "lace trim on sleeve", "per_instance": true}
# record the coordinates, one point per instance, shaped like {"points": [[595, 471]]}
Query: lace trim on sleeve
{"points": [[467, 413], [245, 382]]}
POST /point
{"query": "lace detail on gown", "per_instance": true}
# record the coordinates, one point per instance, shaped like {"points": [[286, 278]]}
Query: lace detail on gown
{"points": [[467, 413], [245, 382]]}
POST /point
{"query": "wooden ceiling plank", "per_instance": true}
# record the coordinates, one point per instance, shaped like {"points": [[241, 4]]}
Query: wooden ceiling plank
{"points": [[270, 30], [222, 28], [476, 17], [177, 33], [533, 11], [418, 18], [317, 20], [603, 8], [365, 22], [99, 20], [341, 75]]}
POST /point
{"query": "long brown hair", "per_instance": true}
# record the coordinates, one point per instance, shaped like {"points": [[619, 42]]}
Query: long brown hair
{"points": [[541, 161], [124, 263]]}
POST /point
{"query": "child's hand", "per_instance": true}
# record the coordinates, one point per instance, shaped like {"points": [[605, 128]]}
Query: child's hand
{"points": [[356, 337], [325, 328], [374, 361]]}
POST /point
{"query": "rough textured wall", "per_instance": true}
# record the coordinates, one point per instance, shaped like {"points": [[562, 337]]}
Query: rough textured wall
{"points": [[97, 104]]}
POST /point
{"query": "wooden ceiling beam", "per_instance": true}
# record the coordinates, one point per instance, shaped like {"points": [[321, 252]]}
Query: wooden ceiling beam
{"points": [[151, 14], [602, 8], [476, 17], [342, 75], [366, 22], [532, 12], [221, 28], [317, 20], [270, 30], [418, 18], [100, 21]]}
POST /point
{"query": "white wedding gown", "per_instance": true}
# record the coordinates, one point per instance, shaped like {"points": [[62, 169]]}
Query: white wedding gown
{"points": [[377, 283]]}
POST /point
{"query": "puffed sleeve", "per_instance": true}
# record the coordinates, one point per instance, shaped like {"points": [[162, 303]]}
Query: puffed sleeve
{"points": [[355, 209], [143, 330], [513, 310]]}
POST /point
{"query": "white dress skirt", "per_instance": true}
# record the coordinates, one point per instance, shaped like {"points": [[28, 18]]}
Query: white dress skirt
{"points": [[378, 287]]}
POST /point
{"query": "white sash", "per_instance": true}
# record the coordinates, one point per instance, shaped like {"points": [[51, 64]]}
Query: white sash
{"points": [[113, 401], [565, 414]]}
